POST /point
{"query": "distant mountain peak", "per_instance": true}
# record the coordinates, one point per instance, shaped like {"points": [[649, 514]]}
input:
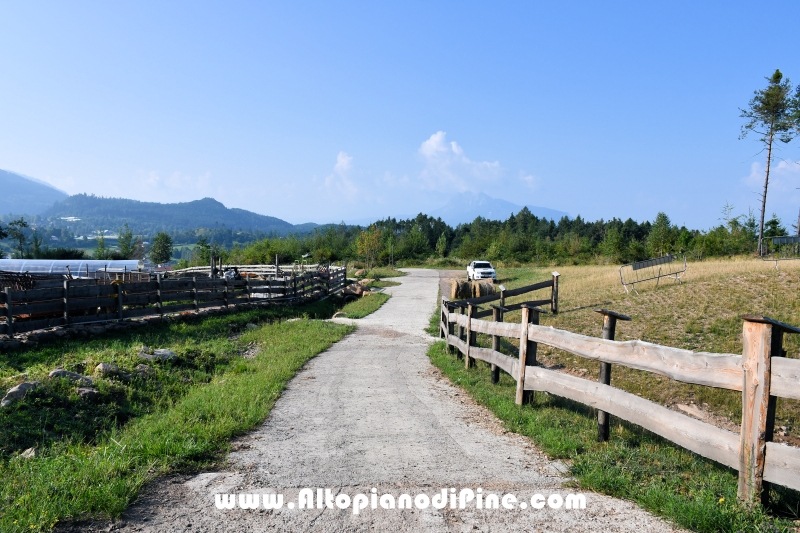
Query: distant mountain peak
{"points": [[23, 195], [465, 207]]}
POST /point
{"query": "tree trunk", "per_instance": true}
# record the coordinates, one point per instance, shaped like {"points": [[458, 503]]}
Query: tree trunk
{"points": [[764, 196]]}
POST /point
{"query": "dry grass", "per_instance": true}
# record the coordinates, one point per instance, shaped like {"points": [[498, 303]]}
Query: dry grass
{"points": [[702, 314]]}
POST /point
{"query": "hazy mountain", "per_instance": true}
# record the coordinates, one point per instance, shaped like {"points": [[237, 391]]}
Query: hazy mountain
{"points": [[87, 213], [467, 206], [22, 195]]}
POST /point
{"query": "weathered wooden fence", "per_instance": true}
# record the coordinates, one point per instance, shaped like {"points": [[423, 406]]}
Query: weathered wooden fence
{"points": [[762, 373], [83, 301], [501, 296]]}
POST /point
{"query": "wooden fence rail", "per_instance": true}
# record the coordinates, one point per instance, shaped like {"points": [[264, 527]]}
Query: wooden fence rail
{"points": [[762, 373], [76, 302]]}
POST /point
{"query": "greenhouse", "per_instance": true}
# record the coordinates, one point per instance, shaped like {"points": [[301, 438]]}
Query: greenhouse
{"points": [[74, 267]]}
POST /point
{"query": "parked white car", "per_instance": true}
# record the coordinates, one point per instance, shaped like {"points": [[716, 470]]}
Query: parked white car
{"points": [[481, 270]]}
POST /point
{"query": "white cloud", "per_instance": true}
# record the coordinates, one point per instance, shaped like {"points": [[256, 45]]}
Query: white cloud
{"points": [[783, 195], [448, 169], [340, 181]]}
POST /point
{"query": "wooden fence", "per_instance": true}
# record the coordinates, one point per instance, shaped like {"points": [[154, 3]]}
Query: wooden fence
{"points": [[501, 296], [762, 373], [84, 301]]}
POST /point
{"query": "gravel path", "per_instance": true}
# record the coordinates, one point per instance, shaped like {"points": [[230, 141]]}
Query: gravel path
{"points": [[373, 412]]}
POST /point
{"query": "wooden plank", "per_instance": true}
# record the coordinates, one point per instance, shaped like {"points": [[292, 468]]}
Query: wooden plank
{"points": [[529, 288], [91, 303], [699, 437], [175, 284], [208, 296], [95, 291], [139, 299], [53, 306], [147, 311], [31, 325], [35, 295], [533, 303], [711, 369], [177, 296], [785, 378], [782, 464], [453, 340], [141, 286], [502, 329], [178, 308], [509, 365], [103, 317]]}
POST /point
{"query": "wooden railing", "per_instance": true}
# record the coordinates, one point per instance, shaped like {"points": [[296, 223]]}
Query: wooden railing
{"points": [[762, 373], [83, 301]]}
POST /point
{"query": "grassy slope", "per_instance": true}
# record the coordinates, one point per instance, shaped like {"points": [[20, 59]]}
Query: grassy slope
{"points": [[702, 315], [94, 458]]}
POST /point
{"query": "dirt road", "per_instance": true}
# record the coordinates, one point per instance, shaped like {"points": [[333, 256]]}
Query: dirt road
{"points": [[371, 412]]}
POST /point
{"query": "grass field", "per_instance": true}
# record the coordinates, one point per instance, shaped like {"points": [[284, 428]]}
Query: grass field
{"points": [[703, 314], [92, 458]]}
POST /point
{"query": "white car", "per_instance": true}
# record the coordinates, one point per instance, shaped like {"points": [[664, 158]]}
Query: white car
{"points": [[481, 270]]}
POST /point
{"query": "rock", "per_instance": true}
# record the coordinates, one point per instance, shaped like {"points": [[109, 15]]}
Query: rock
{"points": [[159, 355], [61, 333], [145, 349], [30, 453], [45, 336], [354, 289], [360, 272], [340, 314], [10, 345], [250, 325], [72, 376], [144, 371], [88, 394], [96, 330], [18, 393], [106, 369], [365, 281]]}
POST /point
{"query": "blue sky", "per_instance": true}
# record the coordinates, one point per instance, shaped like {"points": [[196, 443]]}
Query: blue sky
{"points": [[329, 111]]}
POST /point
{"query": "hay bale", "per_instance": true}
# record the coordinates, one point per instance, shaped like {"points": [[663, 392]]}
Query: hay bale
{"points": [[460, 289], [481, 288]]}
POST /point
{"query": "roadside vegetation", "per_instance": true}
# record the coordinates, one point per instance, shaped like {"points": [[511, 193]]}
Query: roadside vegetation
{"points": [[702, 314], [90, 458]]}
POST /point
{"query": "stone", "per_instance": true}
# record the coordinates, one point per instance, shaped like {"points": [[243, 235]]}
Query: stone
{"points": [[18, 393], [11, 345], [364, 282], [360, 272], [88, 394], [72, 376], [106, 369], [161, 354], [60, 333], [96, 330], [144, 371], [30, 453], [250, 325]]}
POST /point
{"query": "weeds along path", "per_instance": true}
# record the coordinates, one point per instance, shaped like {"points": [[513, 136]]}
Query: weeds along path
{"points": [[373, 412]]}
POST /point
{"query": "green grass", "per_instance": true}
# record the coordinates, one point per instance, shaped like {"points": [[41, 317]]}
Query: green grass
{"points": [[671, 482], [100, 477], [382, 283], [365, 305]]}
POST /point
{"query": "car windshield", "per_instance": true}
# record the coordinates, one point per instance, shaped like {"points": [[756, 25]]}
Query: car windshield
{"points": [[483, 265]]}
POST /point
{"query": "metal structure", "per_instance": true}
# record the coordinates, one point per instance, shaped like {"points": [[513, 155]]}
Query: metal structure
{"points": [[651, 269], [783, 249], [69, 267]]}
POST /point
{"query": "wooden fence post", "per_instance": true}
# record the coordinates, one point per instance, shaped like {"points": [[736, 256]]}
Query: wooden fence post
{"points": [[66, 301], [194, 294], [460, 330], [762, 338], [497, 316], [119, 301], [450, 326], [609, 330], [443, 318], [225, 292], [468, 361], [523, 353], [530, 353], [158, 293], [9, 313], [554, 294]]}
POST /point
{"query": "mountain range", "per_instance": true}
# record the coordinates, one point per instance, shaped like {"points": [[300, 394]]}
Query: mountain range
{"points": [[85, 214]]}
